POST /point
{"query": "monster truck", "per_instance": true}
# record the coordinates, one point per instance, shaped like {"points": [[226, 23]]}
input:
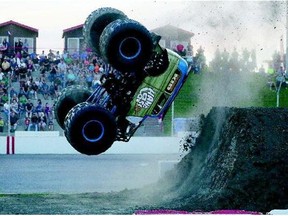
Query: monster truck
{"points": [[144, 81]]}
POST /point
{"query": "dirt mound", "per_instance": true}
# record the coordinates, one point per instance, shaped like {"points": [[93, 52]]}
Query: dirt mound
{"points": [[239, 162]]}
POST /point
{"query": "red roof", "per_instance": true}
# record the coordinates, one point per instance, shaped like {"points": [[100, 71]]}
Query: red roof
{"points": [[73, 28], [11, 22]]}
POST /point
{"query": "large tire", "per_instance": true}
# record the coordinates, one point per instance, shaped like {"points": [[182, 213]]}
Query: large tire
{"points": [[90, 129], [126, 45], [68, 98], [95, 24]]}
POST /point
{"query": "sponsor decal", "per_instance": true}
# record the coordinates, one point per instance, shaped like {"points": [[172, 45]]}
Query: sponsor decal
{"points": [[145, 98], [173, 82]]}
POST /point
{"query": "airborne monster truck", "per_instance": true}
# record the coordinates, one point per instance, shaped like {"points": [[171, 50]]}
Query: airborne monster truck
{"points": [[145, 81]]}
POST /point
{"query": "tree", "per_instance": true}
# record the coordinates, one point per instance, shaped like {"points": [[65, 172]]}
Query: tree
{"points": [[276, 62], [216, 63], [200, 60], [234, 62]]}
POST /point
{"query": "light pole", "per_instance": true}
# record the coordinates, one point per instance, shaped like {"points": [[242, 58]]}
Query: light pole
{"points": [[9, 103], [172, 120], [286, 57], [278, 94]]}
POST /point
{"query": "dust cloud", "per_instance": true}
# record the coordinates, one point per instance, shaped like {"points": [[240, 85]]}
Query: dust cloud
{"points": [[230, 90], [232, 24], [229, 25]]}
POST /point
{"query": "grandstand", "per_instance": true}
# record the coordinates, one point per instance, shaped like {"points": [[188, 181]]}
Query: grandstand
{"points": [[35, 78]]}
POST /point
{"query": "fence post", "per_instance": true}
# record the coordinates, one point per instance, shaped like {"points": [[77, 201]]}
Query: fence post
{"points": [[10, 145], [7, 145], [13, 144]]}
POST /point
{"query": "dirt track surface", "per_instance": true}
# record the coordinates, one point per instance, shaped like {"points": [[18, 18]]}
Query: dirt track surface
{"points": [[239, 162]]}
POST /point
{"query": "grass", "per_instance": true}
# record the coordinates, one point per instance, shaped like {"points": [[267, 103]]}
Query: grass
{"points": [[194, 96]]}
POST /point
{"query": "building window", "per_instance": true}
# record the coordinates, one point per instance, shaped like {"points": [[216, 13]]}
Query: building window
{"points": [[2, 39], [28, 43], [73, 45]]}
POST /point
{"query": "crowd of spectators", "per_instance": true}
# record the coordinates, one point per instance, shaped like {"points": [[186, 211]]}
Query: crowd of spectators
{"points": [[30, 83]]}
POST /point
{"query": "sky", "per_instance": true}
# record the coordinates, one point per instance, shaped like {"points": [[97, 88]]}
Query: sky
{"points": [[216, 24]]}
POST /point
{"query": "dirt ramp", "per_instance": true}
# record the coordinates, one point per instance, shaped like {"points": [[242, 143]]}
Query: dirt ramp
{"points": [[240, 161]]}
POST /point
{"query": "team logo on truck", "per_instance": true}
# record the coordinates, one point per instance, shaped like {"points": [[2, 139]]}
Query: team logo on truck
{"points": [[145, 98]]}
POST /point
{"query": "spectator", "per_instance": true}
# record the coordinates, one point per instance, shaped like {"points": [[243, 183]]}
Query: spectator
{"points": [[22, 73], [34, 122], [39, 107], [46, 63], [84, 55], [53, 72], [13, 121], [13, 93], [86, 62], [29, 108], [14, 106], [2, 123], [1, 74], [6, 67], [51, 56], [25, 48], [44, 90], [38, 83], [22, 104], [42, 57], [57, 57], [30, 67], [4, 98], [27, 88], [68, 59], [18, 46], [65, 55], [75, 55], [18, 57], [6, 108], [94, 60], [42, 121], [89, 79], [4, 47], [52, 91], [96, 68], [50, 125], [33, 91], [5, 82], [82, 80], [23, 92], [91, 67], [52, 111], [47, 111], [42, 70], [71, 78], [26, 123], [62, 66]]}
